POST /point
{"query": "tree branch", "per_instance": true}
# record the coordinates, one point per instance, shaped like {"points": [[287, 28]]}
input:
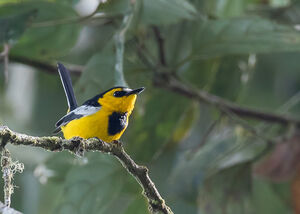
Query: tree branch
{"points": [[160, 43], [45, 66], [78, 146], [171, 83]]}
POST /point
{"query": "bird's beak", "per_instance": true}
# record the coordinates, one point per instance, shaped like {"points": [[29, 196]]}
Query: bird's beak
{"points": [[136, 91]]}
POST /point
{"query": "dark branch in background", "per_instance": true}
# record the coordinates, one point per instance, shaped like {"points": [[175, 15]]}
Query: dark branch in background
{"points": [[170, 82], [50, 68], [79, 146], [160, 42]]}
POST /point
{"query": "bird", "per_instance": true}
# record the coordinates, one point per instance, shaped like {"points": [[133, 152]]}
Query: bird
{"points": [[104, 116]]}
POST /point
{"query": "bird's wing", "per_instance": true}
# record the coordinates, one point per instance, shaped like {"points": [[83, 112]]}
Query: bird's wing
{"points": [[67, 84], [77, 113]]}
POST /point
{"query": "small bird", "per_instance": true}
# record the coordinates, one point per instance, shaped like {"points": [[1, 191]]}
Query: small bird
{"points": [[104, 116]]}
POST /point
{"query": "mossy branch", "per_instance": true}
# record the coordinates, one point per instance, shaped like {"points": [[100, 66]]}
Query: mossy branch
{"points": [[79, 146]]}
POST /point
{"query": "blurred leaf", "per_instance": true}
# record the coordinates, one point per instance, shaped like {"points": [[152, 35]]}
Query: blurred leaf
{"points": [[222, 149], [98, 187], [184, 124], [178, 47], [98, 75], [205, 78], [163, 12], [13, 24], [137, 205], [227, 192], [270, 198], [49, 104], [225, 8], [111, 7], [60, 163], [9, 1], [244, 35], [68, 2], [53, 39], [148, 131]]}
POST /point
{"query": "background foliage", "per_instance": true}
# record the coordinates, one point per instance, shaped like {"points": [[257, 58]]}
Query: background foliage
{"points": [[201, 161]]}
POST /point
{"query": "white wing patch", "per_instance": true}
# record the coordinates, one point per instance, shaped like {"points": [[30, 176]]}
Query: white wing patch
{"points": [[85, 110], [81, 111]]}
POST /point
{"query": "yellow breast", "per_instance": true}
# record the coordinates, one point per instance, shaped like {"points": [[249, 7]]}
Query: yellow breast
{"points": [[98, 125]]}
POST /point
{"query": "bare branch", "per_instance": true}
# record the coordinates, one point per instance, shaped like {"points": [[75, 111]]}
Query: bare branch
{"points": [[170, 82], [160, 43], [78, 146]]}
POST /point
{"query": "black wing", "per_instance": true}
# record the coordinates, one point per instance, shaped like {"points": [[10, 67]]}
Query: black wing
{"points": [[67, 84]]}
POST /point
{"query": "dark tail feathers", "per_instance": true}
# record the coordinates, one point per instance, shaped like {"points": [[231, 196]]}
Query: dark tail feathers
{"points": [[67, 84]]}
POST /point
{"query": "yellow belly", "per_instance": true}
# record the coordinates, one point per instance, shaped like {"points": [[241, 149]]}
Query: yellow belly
{"points": [[95, 125]]}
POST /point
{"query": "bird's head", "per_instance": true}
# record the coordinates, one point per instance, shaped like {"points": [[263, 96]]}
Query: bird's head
{"points": [[119, 99]]}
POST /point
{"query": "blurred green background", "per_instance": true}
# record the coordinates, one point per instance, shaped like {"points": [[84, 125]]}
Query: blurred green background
{"points": [[202, 161]]}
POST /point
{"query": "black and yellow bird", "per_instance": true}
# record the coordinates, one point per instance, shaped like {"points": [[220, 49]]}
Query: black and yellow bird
{"points": [[104, 116]]}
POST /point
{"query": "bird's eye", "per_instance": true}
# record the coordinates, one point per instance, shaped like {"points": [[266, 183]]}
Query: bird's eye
{"points": [[119, 93]]}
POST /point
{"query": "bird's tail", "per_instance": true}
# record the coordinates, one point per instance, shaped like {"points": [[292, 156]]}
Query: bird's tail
{"points": [[67, 84]]}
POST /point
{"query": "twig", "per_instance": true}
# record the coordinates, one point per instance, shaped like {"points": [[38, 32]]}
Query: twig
{"points": [[7, 210], [78, 145], [4, 54], [170, 82]]}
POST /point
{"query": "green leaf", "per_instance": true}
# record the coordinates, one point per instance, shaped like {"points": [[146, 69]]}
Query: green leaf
{"points": [[243, 36], [163, 12], [223, 148], [226, 8], [53, 38], [278, 195], [13, 24]]}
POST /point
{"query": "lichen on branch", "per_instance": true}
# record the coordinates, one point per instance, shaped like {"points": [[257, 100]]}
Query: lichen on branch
{"points": [[78, 146]]}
